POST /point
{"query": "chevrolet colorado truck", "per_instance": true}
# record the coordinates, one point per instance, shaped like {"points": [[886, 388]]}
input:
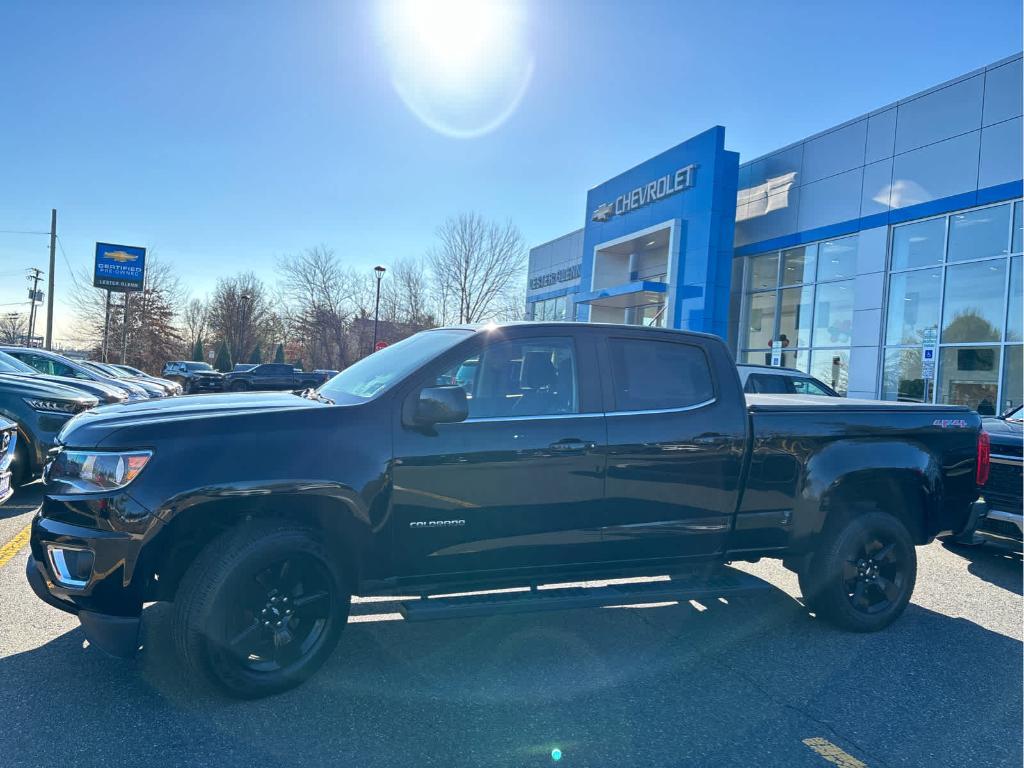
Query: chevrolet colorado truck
{"points": [[574, 452]]}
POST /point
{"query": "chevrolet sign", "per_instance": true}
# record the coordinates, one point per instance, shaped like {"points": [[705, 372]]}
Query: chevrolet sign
{"points": [[667, 185]]}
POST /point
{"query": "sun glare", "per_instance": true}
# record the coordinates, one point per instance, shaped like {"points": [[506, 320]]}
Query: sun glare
{"points": [[460, 66]]}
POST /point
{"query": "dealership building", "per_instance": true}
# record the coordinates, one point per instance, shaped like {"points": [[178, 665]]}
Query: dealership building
{"points": [[882, 255]]}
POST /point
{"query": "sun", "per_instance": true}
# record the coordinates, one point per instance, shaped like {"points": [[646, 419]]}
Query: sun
{"points": [[461, 66]]}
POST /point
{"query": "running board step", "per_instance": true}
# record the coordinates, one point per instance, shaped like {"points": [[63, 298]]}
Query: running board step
{"points": [[725, 582]]}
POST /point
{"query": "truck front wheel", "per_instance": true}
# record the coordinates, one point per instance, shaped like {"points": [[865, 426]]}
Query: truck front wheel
{"points": [[260, 609], [862, 574]]}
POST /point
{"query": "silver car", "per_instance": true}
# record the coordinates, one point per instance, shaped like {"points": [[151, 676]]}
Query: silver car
{"points": [[54, 364]]}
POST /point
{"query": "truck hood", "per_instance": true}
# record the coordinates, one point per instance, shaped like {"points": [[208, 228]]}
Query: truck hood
{"points": [[105, 392], [30, 385], [90, 428]]}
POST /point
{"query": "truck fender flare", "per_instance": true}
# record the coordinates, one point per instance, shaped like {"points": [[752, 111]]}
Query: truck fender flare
{"points": [[868, 469]]}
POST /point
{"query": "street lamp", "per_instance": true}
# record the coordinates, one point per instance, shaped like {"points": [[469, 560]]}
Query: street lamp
{"points": [[244, 301], [379, 272]]}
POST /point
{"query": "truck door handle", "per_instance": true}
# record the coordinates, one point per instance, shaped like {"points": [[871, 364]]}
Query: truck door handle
{"points": [[710, 438], [572, 445]]}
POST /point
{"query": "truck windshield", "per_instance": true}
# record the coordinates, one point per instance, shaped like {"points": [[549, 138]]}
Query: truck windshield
{"points": [[375, 373]]}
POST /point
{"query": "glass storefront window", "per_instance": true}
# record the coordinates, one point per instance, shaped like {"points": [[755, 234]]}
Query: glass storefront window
{"points": [[973, 308], [969, 376], [901, 375], [760, 320], [764, 272], [977, 234], [795, 315], [913, 305], [798, 264], [1013, 315], [831, 366], [1018, 226], [833, 314], [1013, 377], [918, 245], [837, 259]]}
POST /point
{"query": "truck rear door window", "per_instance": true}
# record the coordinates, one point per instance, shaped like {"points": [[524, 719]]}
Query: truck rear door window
{"points": [[768, 384], [657, 375]]}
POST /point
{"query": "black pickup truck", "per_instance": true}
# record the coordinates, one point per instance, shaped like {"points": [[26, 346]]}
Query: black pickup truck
{"points": [[573, 452], [271, 376]]}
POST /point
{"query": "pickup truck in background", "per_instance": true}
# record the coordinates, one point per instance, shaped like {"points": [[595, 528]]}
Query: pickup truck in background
{"points": [[571, 452], [270, 376], [193, 376]]}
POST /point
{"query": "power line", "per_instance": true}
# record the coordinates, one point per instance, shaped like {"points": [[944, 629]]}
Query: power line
{"points": [[74, 278], [22, 232]]}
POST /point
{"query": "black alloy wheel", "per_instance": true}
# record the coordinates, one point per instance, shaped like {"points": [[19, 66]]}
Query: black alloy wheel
{"points": [[261, 608], [875, 578], [862, 572], [280, 614]]}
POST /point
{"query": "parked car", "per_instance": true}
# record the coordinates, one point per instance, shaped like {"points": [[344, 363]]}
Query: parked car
{"points": [[171, 387], [272, 376], [55, 364], [244, 367], [1002, 490], [581, 452], [151, 387], [40, 408], [773, 380], [105, 393], [194, 376], [8, 444]]}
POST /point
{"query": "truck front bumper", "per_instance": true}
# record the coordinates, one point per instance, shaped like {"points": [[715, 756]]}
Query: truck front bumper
{"points": [[116, 635]]}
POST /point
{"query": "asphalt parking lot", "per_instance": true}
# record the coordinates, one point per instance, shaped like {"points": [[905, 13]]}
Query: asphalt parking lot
{"points": [[749, 682]]}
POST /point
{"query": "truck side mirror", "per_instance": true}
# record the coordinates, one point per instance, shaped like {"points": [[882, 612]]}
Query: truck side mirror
{"points": [[441, 405]]}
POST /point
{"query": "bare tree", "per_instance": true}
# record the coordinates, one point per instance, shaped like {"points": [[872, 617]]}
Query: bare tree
{"points": [[194, 319], [241, 314], [13, 328], [405, 294], [475, 265], [317, 303]]}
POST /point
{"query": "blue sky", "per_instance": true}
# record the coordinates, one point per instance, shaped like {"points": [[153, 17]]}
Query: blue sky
{"points": [[224, 135]]}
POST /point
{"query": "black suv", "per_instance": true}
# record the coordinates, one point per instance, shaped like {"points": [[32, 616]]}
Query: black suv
{"points": [[194, 376]]}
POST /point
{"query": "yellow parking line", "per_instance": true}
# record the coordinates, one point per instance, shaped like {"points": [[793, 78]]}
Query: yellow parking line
{"points": [[12, 547], [833, 754]]}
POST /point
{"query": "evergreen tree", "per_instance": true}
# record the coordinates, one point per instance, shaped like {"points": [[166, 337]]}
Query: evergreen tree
{"points": [[257, 355], [198, 353], [279, 354], [223, 362]]}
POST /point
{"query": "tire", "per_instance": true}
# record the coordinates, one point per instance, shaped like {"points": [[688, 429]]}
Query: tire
{"points": [[260, 609], [21, 468], [862, 574]]}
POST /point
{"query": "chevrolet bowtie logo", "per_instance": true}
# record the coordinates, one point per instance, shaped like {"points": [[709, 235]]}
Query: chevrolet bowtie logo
{"points": [[603, 212], [122, 256]]}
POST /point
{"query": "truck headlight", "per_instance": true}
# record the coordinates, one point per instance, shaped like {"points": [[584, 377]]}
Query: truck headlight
{"points": [[90, 471], [55, 405]]}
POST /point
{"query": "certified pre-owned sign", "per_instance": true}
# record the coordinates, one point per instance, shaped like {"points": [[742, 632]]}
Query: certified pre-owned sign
{"points": [[651, 192], [119, 267]]}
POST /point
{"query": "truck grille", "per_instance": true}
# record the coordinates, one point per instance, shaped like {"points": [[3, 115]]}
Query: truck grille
{"points": [[1003, 489]]}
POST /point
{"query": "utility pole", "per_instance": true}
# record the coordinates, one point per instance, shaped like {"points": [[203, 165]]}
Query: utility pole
{"points": [[49, 294], [35, 276]]}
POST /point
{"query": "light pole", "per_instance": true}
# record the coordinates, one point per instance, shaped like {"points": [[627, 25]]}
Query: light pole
{"points": [[379, 272], [244, 301]]}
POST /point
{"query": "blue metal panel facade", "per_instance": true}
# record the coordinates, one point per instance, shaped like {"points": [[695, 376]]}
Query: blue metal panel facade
{"points": [[704, 214]]}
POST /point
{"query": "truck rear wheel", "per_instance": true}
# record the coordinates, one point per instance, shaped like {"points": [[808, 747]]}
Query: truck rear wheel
{"points": [[260, 609], [862, 574]]}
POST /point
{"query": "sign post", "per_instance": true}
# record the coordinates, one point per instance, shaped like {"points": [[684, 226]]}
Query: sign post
{"points": [[929, 337]]}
